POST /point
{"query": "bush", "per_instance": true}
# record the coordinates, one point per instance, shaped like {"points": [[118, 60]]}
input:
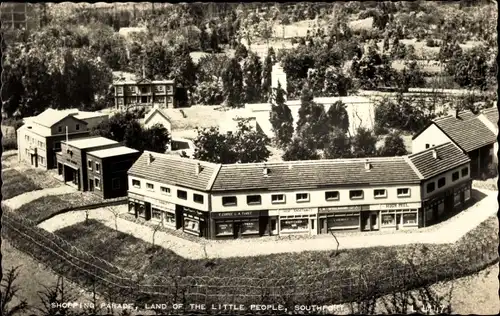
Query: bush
{"points": [[431, 43], [9, 143]]}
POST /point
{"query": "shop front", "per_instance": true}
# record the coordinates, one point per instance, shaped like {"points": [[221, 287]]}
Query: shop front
{"points": [[435, 207], [136, 205], [194, 221], [296, 221], [398, 216], [239, 224], [163, 212], [339, 218]]}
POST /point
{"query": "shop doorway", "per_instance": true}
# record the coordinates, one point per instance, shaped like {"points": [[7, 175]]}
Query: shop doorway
{"points": [[398, 221], [274, 227], [34, 161], [373, 221], [237, 230], [91, 185], [314, 229]]}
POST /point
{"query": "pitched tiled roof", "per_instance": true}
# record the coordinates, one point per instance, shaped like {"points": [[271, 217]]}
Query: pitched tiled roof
{"points": [[150, 114], [491, 114], [174, 170], [467, 131], [448, 156], [311, 174]]}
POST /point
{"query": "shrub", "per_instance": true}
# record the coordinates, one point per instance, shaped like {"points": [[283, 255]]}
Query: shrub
{"points": [[9, 143]]}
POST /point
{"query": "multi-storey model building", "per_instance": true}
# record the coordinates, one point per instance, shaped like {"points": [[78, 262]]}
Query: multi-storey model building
{"points": [[303, 197], [144, 92], [39, 139]]}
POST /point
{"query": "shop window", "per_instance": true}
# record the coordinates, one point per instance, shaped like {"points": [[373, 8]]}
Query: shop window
{"points": [[89, 164], [191, 224], [198, 198], [441, 182], [165, 190], [169, 218], [388, 219], [115, 183], [302, 197], [97, 182], [431, 187], [181, 194], [332, 195], [356, 194], [455, 176], [465, 172], [229, 201], [155, 214], [380, 193], [456, 199], [403, 192], [254, 199], [42, 161], [294, 224], [119, 90], [224, 229], [150, 187], [277, 198], [136, 183], [409, 218], [248, 228], [141, 210], [467, 195], [131, 207]]}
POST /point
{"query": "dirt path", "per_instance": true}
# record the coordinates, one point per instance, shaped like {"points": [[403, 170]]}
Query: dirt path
{"points": [[18, 201], [448, 232]]}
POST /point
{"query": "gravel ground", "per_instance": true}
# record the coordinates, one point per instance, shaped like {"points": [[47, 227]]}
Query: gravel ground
{"points": [[448, 232]]}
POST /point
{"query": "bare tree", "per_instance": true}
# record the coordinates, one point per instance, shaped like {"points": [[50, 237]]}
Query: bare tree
{"points": [[8, 292], [114, 210], [155, 229], [52, 299]]}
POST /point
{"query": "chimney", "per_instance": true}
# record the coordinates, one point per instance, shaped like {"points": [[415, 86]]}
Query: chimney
{"points": [[265, 171], [368, 165], [434, 153], [150, 159], [198, 168]]}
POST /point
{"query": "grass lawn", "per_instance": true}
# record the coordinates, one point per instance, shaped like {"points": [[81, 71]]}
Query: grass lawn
{"points": [[130, 253], [16, 183], [43, 208]]}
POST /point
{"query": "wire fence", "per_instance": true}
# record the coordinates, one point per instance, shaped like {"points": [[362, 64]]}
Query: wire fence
{"points": [[334, 286]]}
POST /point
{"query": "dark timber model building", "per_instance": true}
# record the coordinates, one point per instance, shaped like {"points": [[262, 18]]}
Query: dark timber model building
{"points": [[303, 197]]}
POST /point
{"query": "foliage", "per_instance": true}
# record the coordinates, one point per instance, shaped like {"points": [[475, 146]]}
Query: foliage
{"points": [[373, 69], [53, 298], [301, 149], [393, 146], [252, 78], [124, 127], [364, 143], [411, 76], [241, 52], [266, 74], [246, 145], [313, 121], [9, 292], [470, 69], [338, 116], [281, 118], [232, 80], [338, 145]]}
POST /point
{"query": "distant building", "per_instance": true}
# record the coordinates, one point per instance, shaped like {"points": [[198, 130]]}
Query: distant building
{"points": [[145, 92], [158, 116], [466, 130], [39, 139]]}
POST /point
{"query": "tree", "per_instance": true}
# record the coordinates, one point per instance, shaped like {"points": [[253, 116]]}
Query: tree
{"points": [[364, 143], [265, 31], [156, 138], [233, 83], [155, 60], [184, 70], [338, 116], [338, 145], [241, 52], [252, 75], [9, 292], [115, 213], [300, 149], [251, 145], [281, 118], [52, 299], [470, 69], [213, 146], [266, 75], [313, 121], [393, 146]]}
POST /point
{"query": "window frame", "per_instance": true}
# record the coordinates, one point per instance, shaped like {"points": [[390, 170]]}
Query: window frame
{"points": [[138, 186], [259, 202], [165, 190], [351, 192], [306, 199], [97, 167], [281, 201], [433, 187], [455, 176], [90, 164], [403, 194], [226, 203], [383, 196], [466, 173], [97, 183], [180, 193], [332, 198], [441, 182], [150, 186], [196, 195], [77, 127]]}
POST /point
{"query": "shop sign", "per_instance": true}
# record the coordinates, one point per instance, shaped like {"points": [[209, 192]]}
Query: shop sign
{"points": [[236, 214], [165, 204], [297, 211], [135, 196], [332, 209], [391, 206]]}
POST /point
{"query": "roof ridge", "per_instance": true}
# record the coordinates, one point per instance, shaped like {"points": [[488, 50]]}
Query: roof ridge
{"points": [[430, 149], [319, 161], [179, 158], [413, 167]]}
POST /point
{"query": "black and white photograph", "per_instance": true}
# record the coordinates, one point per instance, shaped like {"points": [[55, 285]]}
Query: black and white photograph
{"points": [[249, 158]]}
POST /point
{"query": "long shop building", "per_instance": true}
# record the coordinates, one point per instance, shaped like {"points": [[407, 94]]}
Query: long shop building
{"points": [[300, 198]]}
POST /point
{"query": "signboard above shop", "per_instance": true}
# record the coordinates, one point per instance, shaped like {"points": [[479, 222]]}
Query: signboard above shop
{"points": [[239, 214], [333, 209]]}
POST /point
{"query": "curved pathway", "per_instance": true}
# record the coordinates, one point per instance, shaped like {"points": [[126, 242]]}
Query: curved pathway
{"points": [[448, 232], [19, 200]]}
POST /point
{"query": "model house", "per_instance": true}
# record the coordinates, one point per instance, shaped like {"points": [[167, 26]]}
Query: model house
{"points": [[39, 139], [302, 197], [490, 118], [145, 92], [107, 170], [158, 116], [72, 165], [466, 130]]}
